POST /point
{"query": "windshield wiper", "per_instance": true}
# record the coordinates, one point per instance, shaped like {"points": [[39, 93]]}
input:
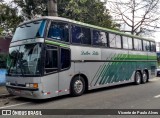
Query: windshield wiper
{"points": [[27, 25], [36, 22], [21, 27]]}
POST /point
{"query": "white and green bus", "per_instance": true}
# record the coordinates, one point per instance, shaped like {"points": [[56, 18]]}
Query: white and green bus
{"points": [[53, 56]]}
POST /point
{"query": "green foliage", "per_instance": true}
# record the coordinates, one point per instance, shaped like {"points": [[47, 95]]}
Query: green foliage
{"points": [[3, 57], [88, 11], [30, 8], [8, 18], [3, 60]]}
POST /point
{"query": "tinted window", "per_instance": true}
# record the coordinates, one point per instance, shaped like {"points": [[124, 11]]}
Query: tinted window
{"points": [[125, 42], [99, 38], [130, 43], [115, 40], [30, 30], [146, 46], [76, 34], [112, 40], [140, 44], [118, 41], [25, 60], [137, 44], [86, 36], [81, 35], [65, 58], [51, 61], [153, 47], [59, 31]]}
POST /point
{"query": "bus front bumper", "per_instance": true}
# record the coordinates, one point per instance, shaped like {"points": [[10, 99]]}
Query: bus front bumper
{"points": [[33, 93]]}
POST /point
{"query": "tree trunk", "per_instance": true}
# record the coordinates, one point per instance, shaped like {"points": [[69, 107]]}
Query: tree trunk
{"points": [[52, 8]]}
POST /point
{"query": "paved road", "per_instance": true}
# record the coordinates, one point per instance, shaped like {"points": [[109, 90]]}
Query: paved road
{"points": [[128, 96]]}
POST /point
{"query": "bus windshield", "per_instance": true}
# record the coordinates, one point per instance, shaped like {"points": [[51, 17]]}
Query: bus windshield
{"points": [[24, 60], [30, 30]]}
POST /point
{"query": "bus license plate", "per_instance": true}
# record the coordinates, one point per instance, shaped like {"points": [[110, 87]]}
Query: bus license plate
{"points": [[17, 91]]}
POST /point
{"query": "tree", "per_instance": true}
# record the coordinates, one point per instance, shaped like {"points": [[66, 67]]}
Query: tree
{"points": [[9, 19], [31, 8], [52, 8], [88, 11], [140, 16]]}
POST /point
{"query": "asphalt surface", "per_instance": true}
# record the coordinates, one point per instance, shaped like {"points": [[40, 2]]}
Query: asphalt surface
{"points": [[128, 96]]}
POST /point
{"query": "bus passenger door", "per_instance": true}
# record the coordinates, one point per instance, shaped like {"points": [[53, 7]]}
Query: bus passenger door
{"points": [[50, 79], [66, 70]]}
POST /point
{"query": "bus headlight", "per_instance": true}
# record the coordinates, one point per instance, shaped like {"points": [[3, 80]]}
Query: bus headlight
{"points": [[27, 85], [32, 85], [7, 83]]}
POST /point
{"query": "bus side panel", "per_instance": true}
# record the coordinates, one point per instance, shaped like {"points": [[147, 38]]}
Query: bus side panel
{"points": [[152, 64], [50, 85], [65, 80], [138, 61], [90, 69], [143, 61], [116, 69]]}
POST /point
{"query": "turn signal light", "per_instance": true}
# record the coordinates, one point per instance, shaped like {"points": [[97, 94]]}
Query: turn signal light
{"points": [[35, 85]]}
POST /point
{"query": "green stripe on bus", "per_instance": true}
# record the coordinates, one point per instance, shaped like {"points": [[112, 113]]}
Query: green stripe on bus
{"points": [[99, 73], [122, 71], [56, 43]]}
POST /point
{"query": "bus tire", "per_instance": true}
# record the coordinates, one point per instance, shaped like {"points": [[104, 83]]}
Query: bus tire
{"points": [[144, 77], [137, 78], [77, 86]]}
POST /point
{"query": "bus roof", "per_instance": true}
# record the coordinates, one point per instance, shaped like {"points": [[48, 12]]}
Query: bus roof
{"points": [[88, 25]]}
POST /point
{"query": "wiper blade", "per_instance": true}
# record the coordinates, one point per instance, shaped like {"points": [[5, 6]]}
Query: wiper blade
{"points": [[27, 25], [36, 22], [21, 27]]}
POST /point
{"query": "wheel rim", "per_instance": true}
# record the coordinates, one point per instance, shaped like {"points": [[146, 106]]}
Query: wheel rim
{"points": [[138, 78], [144, 77], [78, 86]]}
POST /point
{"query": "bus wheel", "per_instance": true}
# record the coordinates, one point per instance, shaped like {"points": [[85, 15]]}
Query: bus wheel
{"points": [[137, 78], [145, 77], [77, 86]]}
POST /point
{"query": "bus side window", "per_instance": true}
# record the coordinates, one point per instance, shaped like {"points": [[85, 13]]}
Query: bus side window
{"points": [[65, 58], [130, 45], [99, 38], [146, 46], [51, 61], [59, 31], [115, 40], [112, 40], [125, 42], [86, 38], [76, 34], [153, 47], [137, 44]]}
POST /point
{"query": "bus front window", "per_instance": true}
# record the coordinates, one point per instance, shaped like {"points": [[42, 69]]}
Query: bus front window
{"points": [[24, 60], [30, 30]]}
